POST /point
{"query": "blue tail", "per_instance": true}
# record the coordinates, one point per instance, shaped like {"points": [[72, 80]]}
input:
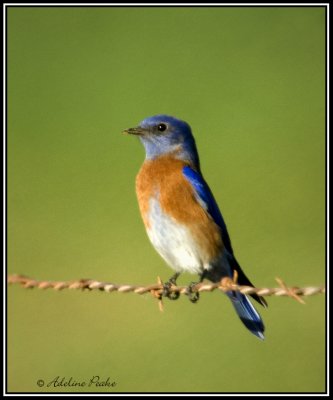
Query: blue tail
{"points": [[247, 313]]}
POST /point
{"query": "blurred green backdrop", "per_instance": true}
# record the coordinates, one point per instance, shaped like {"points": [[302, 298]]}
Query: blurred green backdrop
{"points": [[251, 82]]}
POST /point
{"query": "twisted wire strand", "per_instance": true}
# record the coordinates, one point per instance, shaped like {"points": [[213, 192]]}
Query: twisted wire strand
{"points": [[226, 284]]}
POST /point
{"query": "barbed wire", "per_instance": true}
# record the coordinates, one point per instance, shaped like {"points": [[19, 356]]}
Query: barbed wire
{"points": [[157, 289]]}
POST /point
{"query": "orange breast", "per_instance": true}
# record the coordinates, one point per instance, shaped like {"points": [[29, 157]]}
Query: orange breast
{"points": [[164, 179]]}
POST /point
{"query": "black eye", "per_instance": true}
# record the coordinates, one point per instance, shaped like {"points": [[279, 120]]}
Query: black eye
{"points": [[161, 127]]}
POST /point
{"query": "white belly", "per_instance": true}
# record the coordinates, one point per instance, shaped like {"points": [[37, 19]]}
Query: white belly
{"points": [[173, 241]]}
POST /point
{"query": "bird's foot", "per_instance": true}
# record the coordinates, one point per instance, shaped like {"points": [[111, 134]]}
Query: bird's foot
{"points": [[166, 292], [191, 290], [193, 295]]}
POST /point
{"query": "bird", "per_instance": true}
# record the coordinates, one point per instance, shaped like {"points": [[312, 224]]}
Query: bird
{"points": [[181, 216]]}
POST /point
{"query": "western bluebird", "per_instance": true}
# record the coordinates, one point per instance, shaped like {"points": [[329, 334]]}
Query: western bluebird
{"points": [[181, 216]]}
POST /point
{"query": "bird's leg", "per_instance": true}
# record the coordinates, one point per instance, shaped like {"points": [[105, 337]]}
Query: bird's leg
{"points": [[166, 287], [194, 295]]}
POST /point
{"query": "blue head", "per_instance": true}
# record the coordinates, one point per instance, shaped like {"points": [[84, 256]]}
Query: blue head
{"points": [[162, 134]]}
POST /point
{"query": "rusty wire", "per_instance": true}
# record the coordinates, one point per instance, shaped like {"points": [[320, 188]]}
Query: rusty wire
{"points": [[156, 290]]}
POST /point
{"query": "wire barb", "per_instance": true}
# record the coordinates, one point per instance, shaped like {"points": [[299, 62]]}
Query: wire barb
{"points": [[156, 290]]}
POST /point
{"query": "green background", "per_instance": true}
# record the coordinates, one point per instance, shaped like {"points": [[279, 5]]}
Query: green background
{"points": [[251, 83]]}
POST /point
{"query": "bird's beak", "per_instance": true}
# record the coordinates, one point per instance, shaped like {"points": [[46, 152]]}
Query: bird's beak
{"points": [[138, 131]]}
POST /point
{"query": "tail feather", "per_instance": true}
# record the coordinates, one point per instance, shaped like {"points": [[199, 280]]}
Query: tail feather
{"points": [[247, 313], [244, 280]]}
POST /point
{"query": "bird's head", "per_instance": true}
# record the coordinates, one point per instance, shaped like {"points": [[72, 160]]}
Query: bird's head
{"points": [[162, 135]]}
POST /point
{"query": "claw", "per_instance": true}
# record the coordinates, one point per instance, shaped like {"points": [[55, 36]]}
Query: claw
{"points": [[166, 288], [193, 295], [168, 293]]}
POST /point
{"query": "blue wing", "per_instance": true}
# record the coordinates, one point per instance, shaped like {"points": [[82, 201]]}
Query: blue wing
{"points": [[206, 197]]}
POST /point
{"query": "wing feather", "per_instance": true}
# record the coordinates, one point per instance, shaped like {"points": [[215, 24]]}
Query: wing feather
{"points": [[206, 199]]}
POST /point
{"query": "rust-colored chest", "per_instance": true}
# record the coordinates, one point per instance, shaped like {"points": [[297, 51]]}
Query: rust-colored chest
{"points": [[163, 179]]}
